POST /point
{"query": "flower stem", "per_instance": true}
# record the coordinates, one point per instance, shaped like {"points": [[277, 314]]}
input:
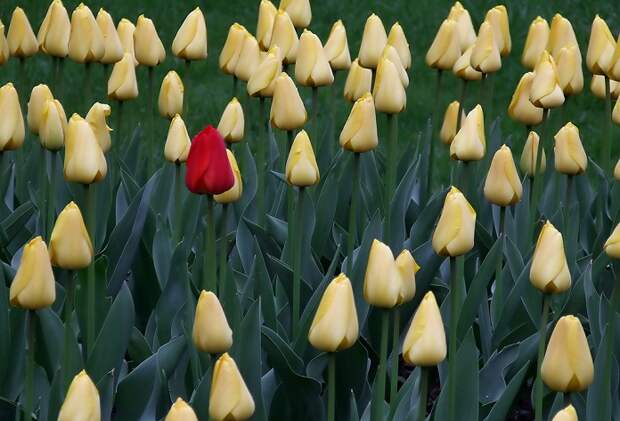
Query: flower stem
{"points": [[69, 288], [91, 209], [394, 354], [51, 193], [606, 399], [456, 265], [86, 86], [542, 335], [538, 176], [235, 84], [499, 272], [434, 120], [298, 233], [331, 387], [461, 104], [355, 193], [606, 147], [376, 409], [178, 204], [30, 350], [186, 97], [390, 181], [423, 393], [289, 191], [209, 279], [223, 248], [315, 118], [58, 64], [261, 162], [151, 122]]}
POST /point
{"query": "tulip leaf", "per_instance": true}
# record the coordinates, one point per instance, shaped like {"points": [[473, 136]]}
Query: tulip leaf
{"points": [[52, 331], [105, 386], [399, 205], [505, 402]]}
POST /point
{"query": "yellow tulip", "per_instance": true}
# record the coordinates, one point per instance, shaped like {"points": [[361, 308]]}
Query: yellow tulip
{"points": [[264, 27], [84, 159], [301, 167], [249, 59], [232, 124], [567, 366], [373, 43], [382, 280], [388, 92], [570, 157], [190, 42], [181, 411], [566, 414], [359, 81], [232, 48], [545, 90], [549, 272], [85, 40], [177, 143], [425, 342], [391, 54], [53, 36], [20, 37], [530, 155], [485, 55], [446, 48], [38, 97], [263, 80], [520, 108], [561, 35], [284, 37], [171, 93], [454, 234], [463, 69], [125, 31], [53, 125], [287, 108], [82, 400], [234, 193], [299, 11], [617, 171], [448, 128], [335, 326], [123, 84], [612, 245], [570, 74], [12, 130], [112, 47], [597, 86], [503, 186], [96, 117], [469, 143], [149, 48], [398, 40], [337, 47], [229, 399], [600, 47], [407, 267], [535, 43], [359, 133], [312, 67], [4, 46], [211, 332], [498, 18], [33, 287], [467, 34], [70, 245]]}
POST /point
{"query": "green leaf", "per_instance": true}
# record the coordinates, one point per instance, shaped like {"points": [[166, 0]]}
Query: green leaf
{"points": [[503, 405]]}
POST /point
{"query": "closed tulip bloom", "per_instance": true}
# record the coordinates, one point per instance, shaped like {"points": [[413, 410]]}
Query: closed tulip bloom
{"points": [[149, 48], [53, 36], [388, 92], [299, 11], [85, 40], [391, 54], [84, 159], [211, 332], [70, 245], [549, 272], [561, 35], [33, 287], [4, 46], [373, 43], [337, 47], [454, 234], [485, 55], [615, 115], [232, 48], [335, 325], [96, 117], [566, 414], [181, 411], [600, 47], [570, 74], [263, 80], [463, 69], [567, 366], [53, 125], [521, 108], [312, 67], [125, 31], [612, 245], [20, 37], [38, 97], [570, 157], [467, 34], [284, 37], [398, 40], [264, 27], [249, 59], [208, 168], [301, 167], [82, 400], [190, 42], [469, 143], [229, 399], [359, 133], [232, 123], [617, 171], [234, 193], [535, 43], [545, 91], [446, 48], [382, 280], [407, 267], [448, 128], [597, 86], [12, 130], [530, 155], [123, 84], [498, 18], [287, 108], [112, 47], [425, 342], [171, 92], [177, 143], [503, 186], [359, 81]]}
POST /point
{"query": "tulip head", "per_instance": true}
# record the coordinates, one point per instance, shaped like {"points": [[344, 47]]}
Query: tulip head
{"points": [[373, 43], [208, 168], [498, 18], [446, 47], [425, 342], [597, 86], [181, 411], [601, 47], [211, 332], [617, 171], [312, 67], [84, 159], [232, 48], [112, 47], [520, 108], [359, 133], [301, 167], [38, 97], [535, 43], [70, 245], [407, 267], [382, 283], [177, 143], [469, 143], [561, 34], [96, 117], [20, 38], [388, 91], [570, 74], [249, 58], [454, 234], [4, 46], [264, 27], [299, 11], [570, 157], [463, 68], [148, 47], [229, 398], [53, 36], [549, 272], [123, 84], [529, 156], [398, 40], [85, 40], [391, 54], [82, 400], [263, 80], [232, 124], [12, 130], [337, 47], [287, 108], [190, 42], [612, 245], [53, 125], [235, 192], [614, 68], [465, 28], [359, 81], [545, 90], [33, 287], [171, 93], [448, 128], [125, 31], [503, 186], [485, 56], [566, 414], [284, 37]]}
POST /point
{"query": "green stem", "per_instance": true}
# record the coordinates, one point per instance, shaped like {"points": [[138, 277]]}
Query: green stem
{"points": [[223, 248], [209, 280], [58, 64], [423, 393], [606, 399], [315, 118], [151, 123], [481, 92], [289, 193], [499, 270], [606, 147], [117, 144], [86, 86], [91, 323], [542, 335], [69, 288], [391, 167], [186, 109], [234, 86], [51, 193], [331, 387], [106, 76], [379, 395], [538, 176], [30, 350], [355, 193], [261, 162], [331, 138], [435, 129], [178, 204], [461, 104], [298, 232], [455, 287], [394, 355]]}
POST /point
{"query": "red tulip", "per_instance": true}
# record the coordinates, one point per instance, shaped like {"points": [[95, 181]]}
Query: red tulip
{"points": [[208, 168]]}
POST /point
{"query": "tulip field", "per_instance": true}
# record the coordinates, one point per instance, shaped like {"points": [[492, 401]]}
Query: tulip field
{"points": [[304, 210]]}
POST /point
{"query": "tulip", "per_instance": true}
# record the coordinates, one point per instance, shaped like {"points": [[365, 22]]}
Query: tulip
{"points": [[125, 31], [181, 411], [96, 117], [235, 192], [382, 280], [359, 81], [454, 234], [284, 37], [398, 40], [53, 36], [570, 74], [388, 92], [503, 186], [463, 69], [391, 54], [53, 125], [38, 97], [170, 102], [232, 48], [535, 43], [485, 55], [229, 399], [208, 168], [561, 35], [566, 414], [545, 90], [337, 47], [249, 59], [33, 287], [600, 47], [211, 332], [177, 143], [4, 46], [12, 130], [597, 86], [312, 67], [84, 159], [567, 366], [612, 245], [373, 43], [190, 42], [498, 18], [232, 124], [287, 108], [123, 84], [549, 272], [570, 157], [85, 40], [82, 400], [529, 156], [617, 171], [149, 48], [335, 325], [469, 143], [446, 48], [465, 28], [448, 128], [520, 108], [263, 80], [70, 245], [112, 47], [359, 133], [301, 167], [407, 268], [425, 342], [299, 11], [20, 37], [264, 27]]}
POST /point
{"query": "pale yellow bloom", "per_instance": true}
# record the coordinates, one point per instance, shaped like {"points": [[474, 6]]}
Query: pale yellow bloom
{"points": [[446, 47], [612, 245], [600, 47], [485, 56], [566, 414], [33, 286], [284, 37], [232, 48], [249, 58], [53, 36], [148, 47], [70, 245], [373, 42], [171, 95], [498, 18], [454, 234], [448, 128], [530, 155], [123, 84], [463, 69], [12, 131], [570, 157], [469, 143], [425, 342], [262, 81], [337, 47], [358, 82], [125, 32], [113, 49], [388, 91], [561, 35], [211, 332], [287, 108], [535, 43], [53, 125], [85, 41], [570, 73], [38, 97], [181, 411], [549, 272], [20, 38], [545, 91], [312, 67], [229, 399], [82, 400], [398, 40], [301, 167], [467, 34], [299, 11], [190, 42], [96, 117], [177, 142], [232, 123], [359, 133], [264, 27], [503, 186], [521, 108], [84, 159]]}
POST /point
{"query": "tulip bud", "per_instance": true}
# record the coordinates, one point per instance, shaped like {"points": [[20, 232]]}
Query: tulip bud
{"points": [[4, 46], [566, 414], [12, 123], [112, 47], [122, 84], [463, 69], [503, 186], [284, 37], [407, 267], [264, 27], [570, 74], [617, 171], [520, 108], [208, 168], [232, 48], [498, 18], [125, 31], [425, 342], [597, 86], [454, 234], [561, 35], [232, 124], [229, 399], [70, 245], [485, 55], [567, 366], [388, 92], [469, 143], [287, 108], [33, 287], [85, 40], [600, 47], [382, 281], [549, 272], [177, 143], [301, 167], [446, 48], [570, 157], [235, 192], [335, 325], [38, 97], [53, 36], [466, 32], [612, 245], [263, 80], [359, 81], [249, 58], [181, 411], [190, 42], [359, 133], [535, 43], [373, 42], [53, 125], [312, 67], [211, 332], [82, 400], [448, 128], [149, 48], [299, 11], [171, 92], [391, 54], [398, 40], [84, 159], [529, 156], [337, 47], [20, 37], [545, 91], [96, 117]]}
